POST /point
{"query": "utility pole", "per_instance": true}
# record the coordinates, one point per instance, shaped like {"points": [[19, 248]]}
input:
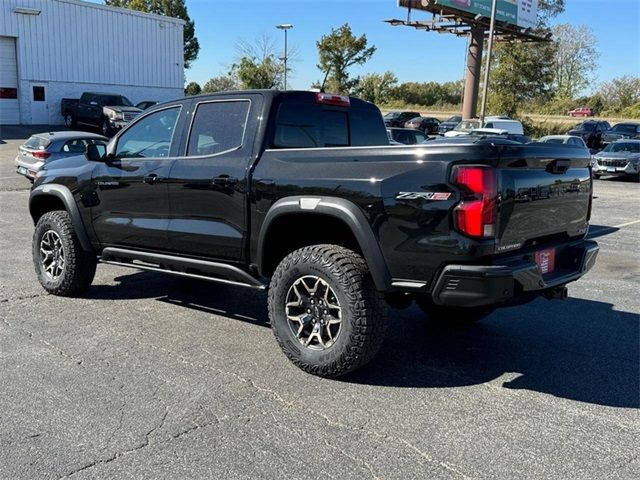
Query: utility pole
{"points": [[485, 86], [285, 27]]}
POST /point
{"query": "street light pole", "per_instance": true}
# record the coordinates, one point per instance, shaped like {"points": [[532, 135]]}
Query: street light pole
{"points": [[285, 27], [485, 86]]}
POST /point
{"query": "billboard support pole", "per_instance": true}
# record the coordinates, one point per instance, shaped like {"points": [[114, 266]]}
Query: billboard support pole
{"points": [[485, 85], [472, 77]]}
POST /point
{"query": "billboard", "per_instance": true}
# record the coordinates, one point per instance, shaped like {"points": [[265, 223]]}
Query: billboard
{"points": [[521, 13]]}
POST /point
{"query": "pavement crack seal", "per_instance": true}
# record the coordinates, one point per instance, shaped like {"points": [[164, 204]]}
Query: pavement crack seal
{"points": [[24, 297], [294, 406], [51, 346], [145, 443], [355, 460]]}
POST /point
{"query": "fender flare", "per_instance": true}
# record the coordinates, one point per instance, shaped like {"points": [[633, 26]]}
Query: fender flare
{"points": [[343, 210], [65, 195]]}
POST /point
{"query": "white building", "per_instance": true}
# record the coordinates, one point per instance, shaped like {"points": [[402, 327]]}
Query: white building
{"points": [[54, 49]]}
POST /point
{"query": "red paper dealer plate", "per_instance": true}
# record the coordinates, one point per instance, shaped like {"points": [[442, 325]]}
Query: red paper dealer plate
{"points": [[546, 260]]}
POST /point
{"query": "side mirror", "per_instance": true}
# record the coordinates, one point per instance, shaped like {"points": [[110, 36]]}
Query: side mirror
{"points": [[95, 152], [94, 103]]}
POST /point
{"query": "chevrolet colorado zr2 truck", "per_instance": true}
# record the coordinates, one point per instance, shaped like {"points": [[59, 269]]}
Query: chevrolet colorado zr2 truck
{"points": [[301, 193]]}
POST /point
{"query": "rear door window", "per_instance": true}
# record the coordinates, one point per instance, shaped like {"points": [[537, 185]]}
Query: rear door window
{"points": [[74, 146], [218, 127]]}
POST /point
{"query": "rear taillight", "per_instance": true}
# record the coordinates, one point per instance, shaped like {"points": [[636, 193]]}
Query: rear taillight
{"points": [[476, 214], [41, 154]]}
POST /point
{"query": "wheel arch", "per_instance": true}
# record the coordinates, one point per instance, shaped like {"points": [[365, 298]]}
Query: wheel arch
{"points": [[337, 210], [47, 198]]}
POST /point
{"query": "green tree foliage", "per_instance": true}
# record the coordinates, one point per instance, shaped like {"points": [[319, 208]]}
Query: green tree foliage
{"points": [[255, 73], [428, 93], [193, 88], [621, 93], [170, 8], [377, 88], [523, 72], [575, 60], [338, 51], [258, 65], [223, 83]]}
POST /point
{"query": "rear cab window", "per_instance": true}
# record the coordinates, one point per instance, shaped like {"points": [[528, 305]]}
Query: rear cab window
{"points": [[301, 122]]}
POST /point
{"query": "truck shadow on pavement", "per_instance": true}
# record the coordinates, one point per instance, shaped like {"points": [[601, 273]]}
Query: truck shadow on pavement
{"points": [[576, 349]]}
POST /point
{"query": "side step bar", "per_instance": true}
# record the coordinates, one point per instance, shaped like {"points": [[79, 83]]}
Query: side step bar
{"points": [[181, 266]]}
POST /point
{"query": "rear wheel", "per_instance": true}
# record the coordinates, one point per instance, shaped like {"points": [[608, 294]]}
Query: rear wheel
{"points": [[453, 316], [325, 311], [62, 266], [69, 120]]}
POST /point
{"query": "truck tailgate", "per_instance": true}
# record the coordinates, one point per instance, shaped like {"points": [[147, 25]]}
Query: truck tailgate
{"points": [[545, 191]]}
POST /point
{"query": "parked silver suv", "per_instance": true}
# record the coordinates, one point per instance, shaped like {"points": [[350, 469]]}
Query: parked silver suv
{"points": [[619, 158]]}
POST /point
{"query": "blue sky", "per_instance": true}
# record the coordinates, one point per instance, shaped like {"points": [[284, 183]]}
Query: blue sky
{"points": [[412, 55]]}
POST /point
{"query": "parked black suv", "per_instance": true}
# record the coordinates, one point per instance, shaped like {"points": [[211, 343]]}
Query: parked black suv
{"points": [[398, 119], [591, 132], [300, 192]]}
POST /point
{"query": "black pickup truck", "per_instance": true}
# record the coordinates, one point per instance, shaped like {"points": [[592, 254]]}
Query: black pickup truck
{"points": [[300, 193], [107, 111]]}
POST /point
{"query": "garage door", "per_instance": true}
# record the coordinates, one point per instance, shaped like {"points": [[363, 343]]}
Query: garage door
{"points": [[9, 106]]}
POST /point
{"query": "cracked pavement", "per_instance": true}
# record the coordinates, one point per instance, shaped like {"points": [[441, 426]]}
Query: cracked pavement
{"points": [[151, 376]]}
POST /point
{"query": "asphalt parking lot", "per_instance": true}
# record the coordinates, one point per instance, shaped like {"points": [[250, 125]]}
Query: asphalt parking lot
{"points": [[150, 376]]}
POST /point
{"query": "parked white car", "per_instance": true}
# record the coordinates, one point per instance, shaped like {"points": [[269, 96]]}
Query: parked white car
{"points": [[465, 127], [564, 139]]}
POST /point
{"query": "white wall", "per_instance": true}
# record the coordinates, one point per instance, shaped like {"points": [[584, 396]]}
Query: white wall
{"points": [[55, 91], [75, 46]]}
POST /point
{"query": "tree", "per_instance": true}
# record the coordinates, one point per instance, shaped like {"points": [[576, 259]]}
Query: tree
{"points": [[258, 65], [377, 88], [621, 92], [193, 88], [576, 59], [523, 72], [338, 51], [222, 83], [170, 8]]}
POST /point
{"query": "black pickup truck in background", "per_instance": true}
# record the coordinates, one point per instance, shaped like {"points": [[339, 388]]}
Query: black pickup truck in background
{"points": [[107, 111], [300, 193]]}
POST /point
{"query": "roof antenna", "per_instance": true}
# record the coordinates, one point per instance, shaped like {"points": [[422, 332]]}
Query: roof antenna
{"points": [[325, 79]]}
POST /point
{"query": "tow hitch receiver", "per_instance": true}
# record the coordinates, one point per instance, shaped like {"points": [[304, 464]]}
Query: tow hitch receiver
{"points": [[558, 293]]}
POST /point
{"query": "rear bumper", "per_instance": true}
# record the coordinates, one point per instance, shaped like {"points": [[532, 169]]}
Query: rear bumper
{"points": [[26, 169], [515, 281]]}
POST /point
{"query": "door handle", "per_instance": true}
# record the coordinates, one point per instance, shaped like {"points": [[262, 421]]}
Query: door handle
{"points": [[225, 180], [151, 179]]}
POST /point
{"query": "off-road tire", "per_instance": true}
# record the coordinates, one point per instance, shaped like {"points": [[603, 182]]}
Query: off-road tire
{"points": [[364, 312], [79, 265], [452, 316]]}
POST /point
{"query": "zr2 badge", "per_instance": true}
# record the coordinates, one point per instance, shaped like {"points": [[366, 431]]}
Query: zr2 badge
{"points": [[433, 196]]}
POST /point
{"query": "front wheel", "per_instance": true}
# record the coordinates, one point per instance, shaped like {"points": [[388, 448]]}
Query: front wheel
{"points": [[453, 316], [62, 266], [105, 127], [325, 311]]}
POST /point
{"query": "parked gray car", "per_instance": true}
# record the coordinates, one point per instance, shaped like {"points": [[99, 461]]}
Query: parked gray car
{"points": [[43, 148], [619, 158]]}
